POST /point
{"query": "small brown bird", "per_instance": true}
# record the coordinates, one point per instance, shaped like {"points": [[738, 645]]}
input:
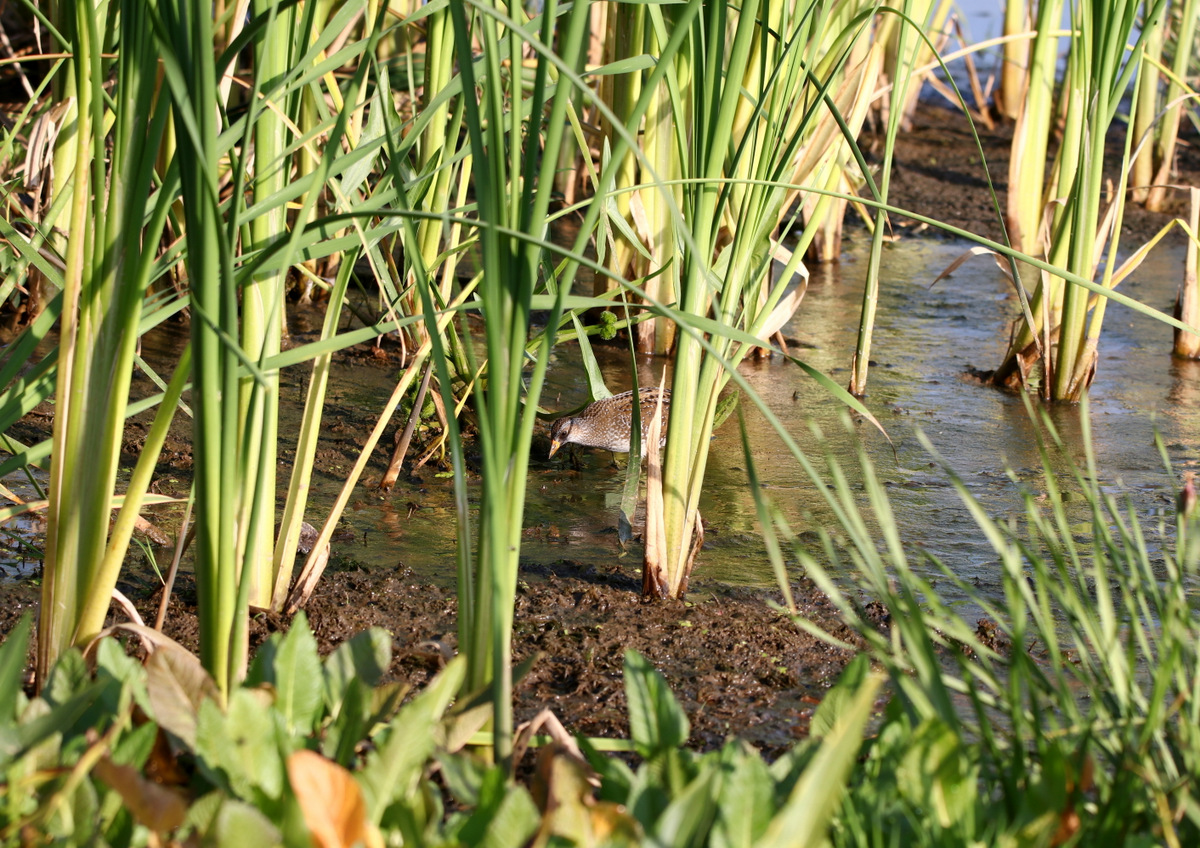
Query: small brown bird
{"points": [[608, 423]]}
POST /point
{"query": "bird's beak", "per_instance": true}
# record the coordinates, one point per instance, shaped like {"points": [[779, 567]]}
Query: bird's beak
{"points": [[555, 444]]}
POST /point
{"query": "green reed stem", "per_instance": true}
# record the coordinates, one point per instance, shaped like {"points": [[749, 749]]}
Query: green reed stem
{"points": [[106, 276], [190, 72]]}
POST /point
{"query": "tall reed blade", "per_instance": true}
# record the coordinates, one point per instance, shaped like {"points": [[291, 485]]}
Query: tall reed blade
{"points": [[263, 303], [1065, 324], [191, 74], [107, 270], [513, 184]]}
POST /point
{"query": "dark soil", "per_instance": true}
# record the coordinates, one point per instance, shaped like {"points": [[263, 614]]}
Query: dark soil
{"points": [[937, 172], [738, 667]]}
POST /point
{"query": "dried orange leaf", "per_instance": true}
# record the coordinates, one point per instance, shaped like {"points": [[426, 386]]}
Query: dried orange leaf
{"points": [[331, 801]]}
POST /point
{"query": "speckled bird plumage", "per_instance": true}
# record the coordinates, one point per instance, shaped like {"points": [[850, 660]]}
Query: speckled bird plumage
{"points": [[608, 423]]}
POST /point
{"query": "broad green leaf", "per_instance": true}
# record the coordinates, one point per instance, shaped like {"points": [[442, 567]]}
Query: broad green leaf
{"points": [[349, 727], [488, 795], [297, 677], [804, 819], [745, 800], [393, 769], [647, 798], [129, 674], [363, 657], [656, 721], [262, 667], [46, 754], [43, 720], [464, 774], [935, 774], [616, 777], [202, 814], [686, 821], [839, 698], [504, 815], [69, 676], [385, 700], [239, 825], [241, 744], [134, 746], [73, 820], [515, 821]]}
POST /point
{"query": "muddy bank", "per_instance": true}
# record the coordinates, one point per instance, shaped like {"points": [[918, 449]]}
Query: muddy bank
{"points": [[738, 667], [937, 172]]}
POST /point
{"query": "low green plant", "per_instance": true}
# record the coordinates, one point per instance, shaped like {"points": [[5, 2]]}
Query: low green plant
{"points": [[319, 751], [1062, 712], [76, 760], [731, 796]]}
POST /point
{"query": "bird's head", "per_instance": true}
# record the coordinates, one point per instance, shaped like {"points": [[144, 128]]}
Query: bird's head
{"points": [[560, 433]]}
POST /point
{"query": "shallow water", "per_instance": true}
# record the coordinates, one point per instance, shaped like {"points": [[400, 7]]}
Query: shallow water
{"points": [[927, 338]]}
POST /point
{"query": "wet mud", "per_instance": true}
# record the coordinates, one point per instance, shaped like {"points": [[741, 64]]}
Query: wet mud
{"points": [[938, 173], [737, 666]]}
